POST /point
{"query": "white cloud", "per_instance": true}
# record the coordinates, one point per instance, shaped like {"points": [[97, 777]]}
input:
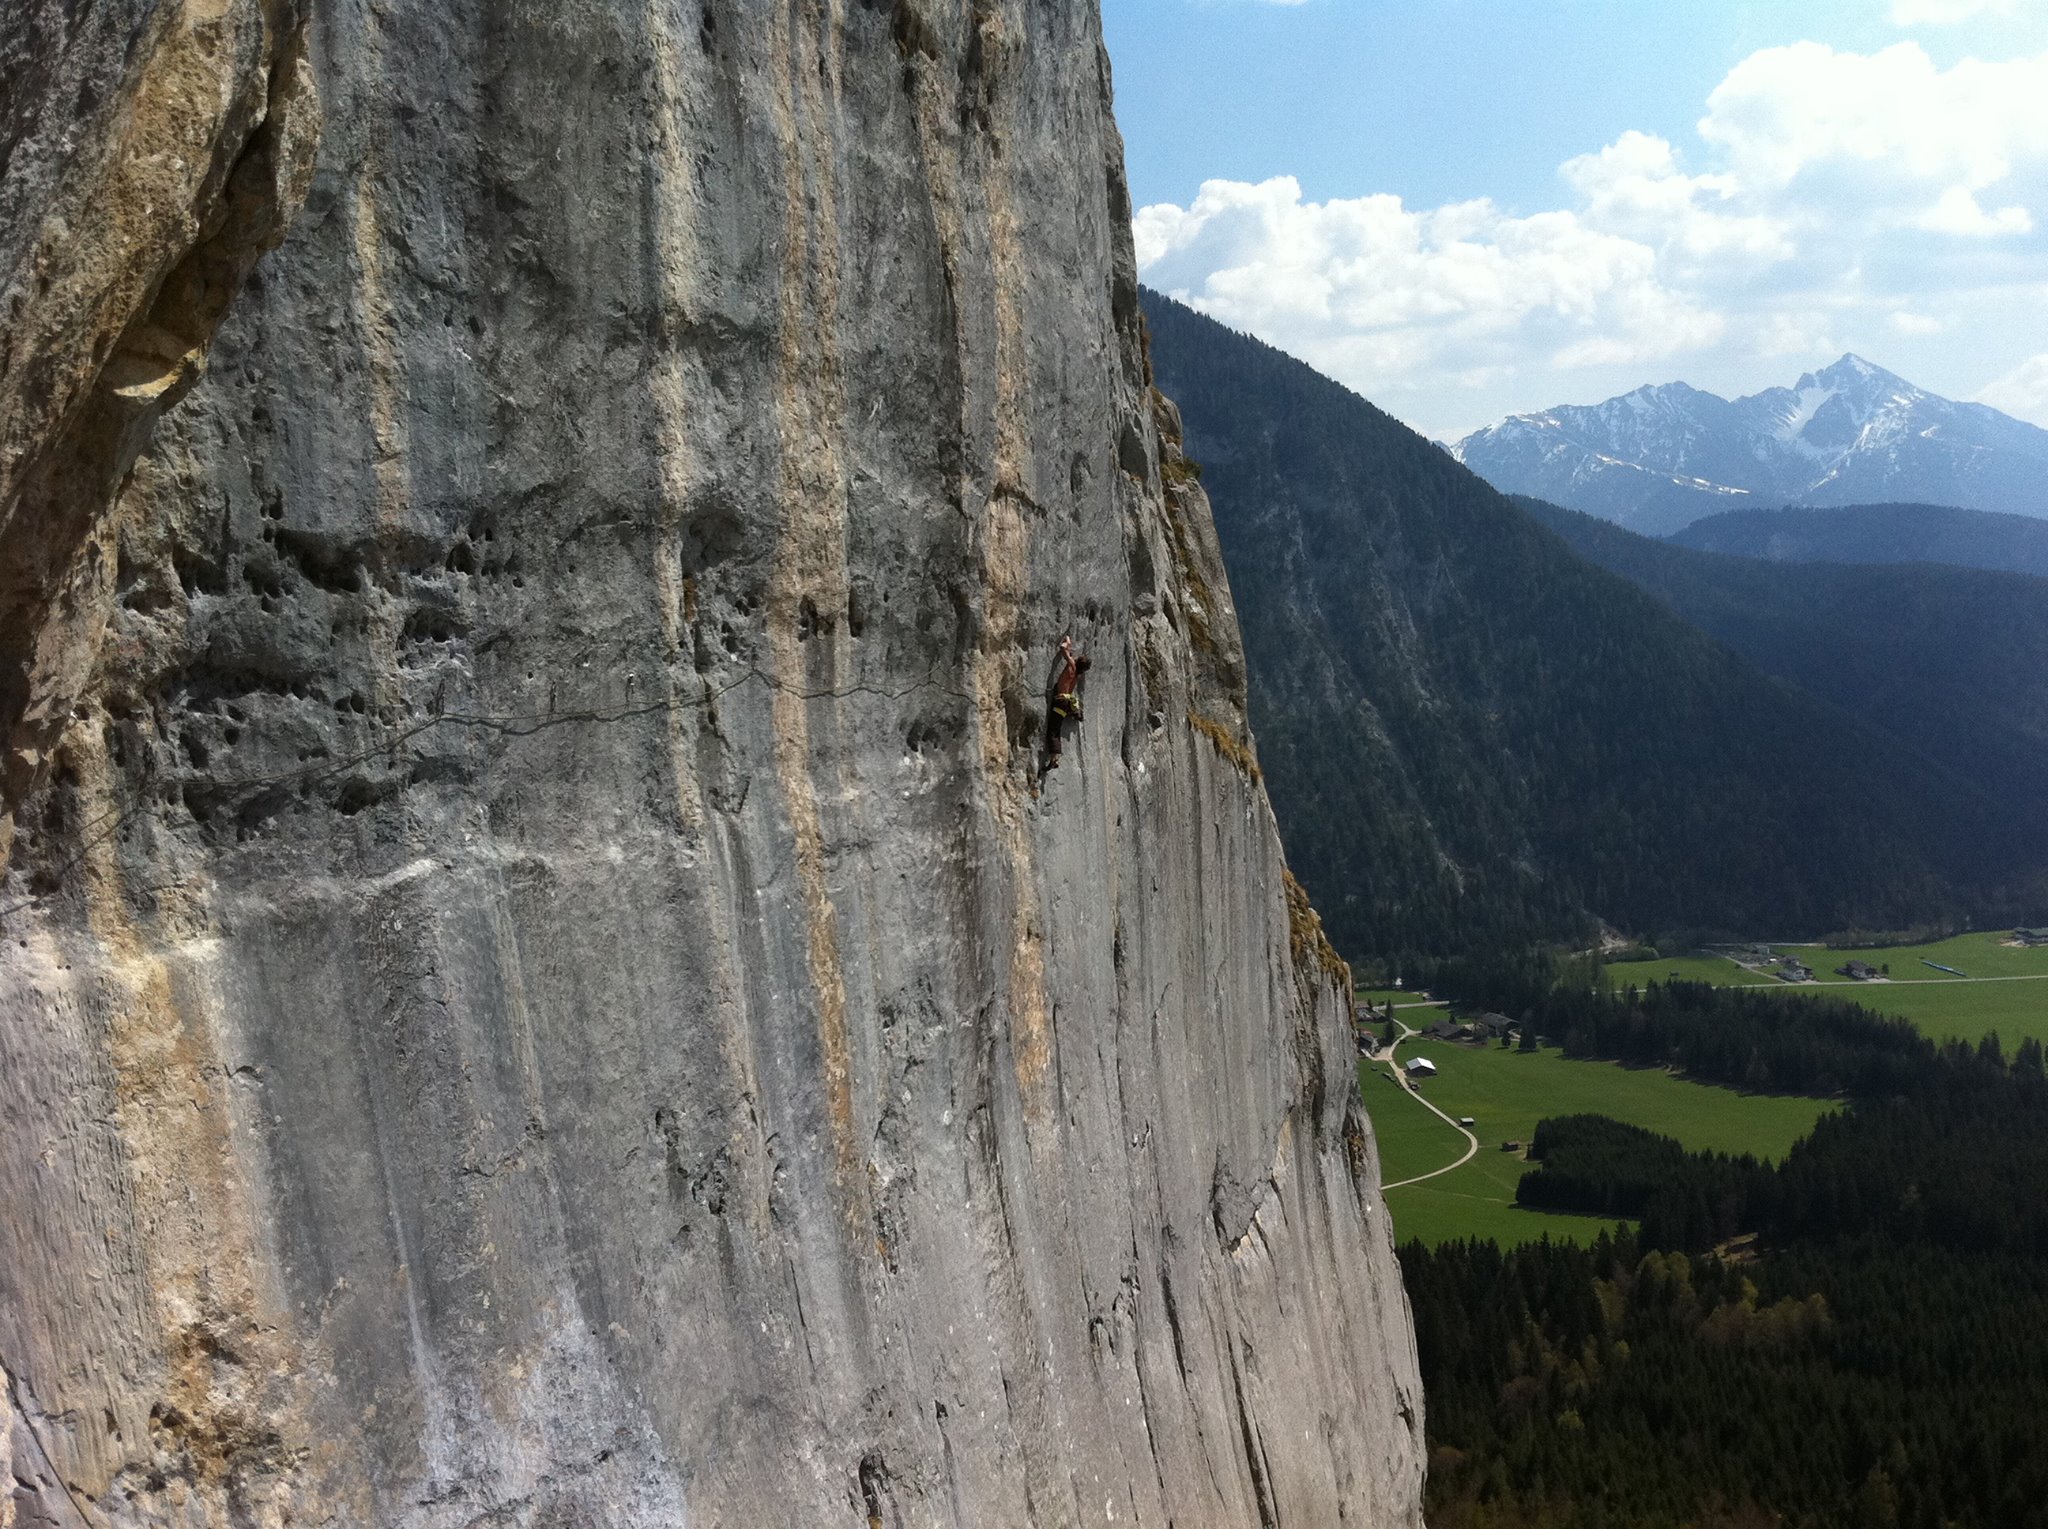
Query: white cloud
{"points": [[1942, 13], [2022, 392], [1959, 212], [1635, 184], [1795, 111], [1792, 330], [1916, 325], [1839, 197], [1366, 285]]}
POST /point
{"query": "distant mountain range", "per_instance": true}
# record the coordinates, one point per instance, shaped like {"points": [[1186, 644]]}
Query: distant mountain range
{"points": [[1876, 533], [1473, 737], [1662, 457]]}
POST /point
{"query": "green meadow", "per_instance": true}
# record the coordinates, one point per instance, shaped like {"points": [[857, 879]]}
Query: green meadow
{"points": [[1715, 969], [1506, 1093], [1379, 997], [2015, 1010], [2006, 990]]}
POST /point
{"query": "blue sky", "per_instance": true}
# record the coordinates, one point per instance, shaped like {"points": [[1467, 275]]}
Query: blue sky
{"points": [[1465, 208]]}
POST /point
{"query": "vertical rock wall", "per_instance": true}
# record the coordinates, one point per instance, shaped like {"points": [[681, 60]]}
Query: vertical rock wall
{"points": [[535, 987], [150, 151]]}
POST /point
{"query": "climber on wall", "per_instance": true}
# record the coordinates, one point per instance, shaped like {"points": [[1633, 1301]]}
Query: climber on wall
{"points": [[1065, 705]]}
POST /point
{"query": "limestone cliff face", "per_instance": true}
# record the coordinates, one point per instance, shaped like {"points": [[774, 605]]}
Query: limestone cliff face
{"points": [[535, 987], [150, 151]]}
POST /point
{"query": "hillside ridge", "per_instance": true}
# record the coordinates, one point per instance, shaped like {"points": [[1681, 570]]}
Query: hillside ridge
{"points": [[1476, 739], [1877, 533]]}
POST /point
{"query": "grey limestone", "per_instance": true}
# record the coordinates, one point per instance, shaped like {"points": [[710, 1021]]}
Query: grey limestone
{"points": [[537, 985]]}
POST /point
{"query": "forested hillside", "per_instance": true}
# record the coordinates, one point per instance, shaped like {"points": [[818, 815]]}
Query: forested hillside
{"points": [[1877, 533], [1472, 736], [1851, 1337], [1952, 663]]}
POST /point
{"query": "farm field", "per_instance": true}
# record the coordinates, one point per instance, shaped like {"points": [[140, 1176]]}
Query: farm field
{"points": [[2015, 1010], [1715, 969], [1411, 1140], [1463, 1204], [1506, 1093], [1979, 955], [1379, 997], [1938, 1003]]}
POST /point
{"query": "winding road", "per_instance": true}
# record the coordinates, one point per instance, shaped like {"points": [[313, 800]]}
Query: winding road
{"points": [[1471, 1141]]}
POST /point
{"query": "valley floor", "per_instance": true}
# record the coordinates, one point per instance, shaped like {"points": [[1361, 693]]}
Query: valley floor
{"points": [[2001, 989], [1505, 1092]]}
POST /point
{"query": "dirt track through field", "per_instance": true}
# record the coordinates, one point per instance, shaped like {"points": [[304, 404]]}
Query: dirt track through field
{"points": [[1471, 1141]]}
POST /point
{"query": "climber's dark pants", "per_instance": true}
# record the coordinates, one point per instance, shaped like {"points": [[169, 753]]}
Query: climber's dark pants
{"points": [[1066, 707]]}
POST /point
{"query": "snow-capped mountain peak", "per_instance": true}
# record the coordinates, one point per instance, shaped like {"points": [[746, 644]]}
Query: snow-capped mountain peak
{"points": [[1853, 373], [1848, 433]]}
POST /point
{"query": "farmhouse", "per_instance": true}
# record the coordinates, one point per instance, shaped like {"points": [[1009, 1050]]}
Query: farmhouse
{"points": [[1420, 1067], [1795, 970], [1494, 1026], [1446, 1030], [1858, 971], [2030, 937]]}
